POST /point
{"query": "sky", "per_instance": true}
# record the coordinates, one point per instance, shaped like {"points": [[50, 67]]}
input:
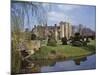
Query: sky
{"points": [[75, 14]]}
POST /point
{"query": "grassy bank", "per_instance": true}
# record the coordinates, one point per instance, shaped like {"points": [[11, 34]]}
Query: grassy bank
{"points": [[64, 51]]}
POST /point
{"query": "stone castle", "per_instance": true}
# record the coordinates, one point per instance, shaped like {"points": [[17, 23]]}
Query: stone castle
{"points": [[63, 29]]}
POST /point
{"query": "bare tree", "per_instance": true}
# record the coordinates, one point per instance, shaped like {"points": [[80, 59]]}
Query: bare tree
{"points": [[19, 11]]}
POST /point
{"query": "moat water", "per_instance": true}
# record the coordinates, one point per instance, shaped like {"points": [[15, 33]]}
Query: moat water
{"points": [[84, 63]]}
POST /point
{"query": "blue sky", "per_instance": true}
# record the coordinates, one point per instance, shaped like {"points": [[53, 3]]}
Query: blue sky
{"points": [[75, 14]]}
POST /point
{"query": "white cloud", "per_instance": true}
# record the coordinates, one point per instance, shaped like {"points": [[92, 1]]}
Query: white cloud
{"points": [[61, 14], [67, 7], [56, 16]]}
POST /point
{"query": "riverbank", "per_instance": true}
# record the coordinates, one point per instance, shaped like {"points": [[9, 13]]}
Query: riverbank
{"points": [[64, 51]]}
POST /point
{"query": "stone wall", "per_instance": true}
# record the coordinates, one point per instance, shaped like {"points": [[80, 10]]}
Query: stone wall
{"points": [[30, 46]]}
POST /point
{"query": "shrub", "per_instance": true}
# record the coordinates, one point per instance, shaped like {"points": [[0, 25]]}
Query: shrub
{"points": [[52, 42], [77, 37], [84, 43], [64, 41], [33, 37], [87, 40], [77, 43], [53, 52], [92, 37]]}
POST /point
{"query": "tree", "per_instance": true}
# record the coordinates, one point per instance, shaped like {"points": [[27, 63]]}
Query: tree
{"points": [[77, 37], [79, 40], [64, 41], [76, 40], [21, 14], [51, 40], [33, 37]]}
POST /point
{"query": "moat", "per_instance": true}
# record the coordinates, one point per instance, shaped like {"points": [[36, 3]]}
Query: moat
{"points": [[83, 63]]}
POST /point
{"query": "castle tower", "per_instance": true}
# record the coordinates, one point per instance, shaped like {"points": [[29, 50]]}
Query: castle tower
{"points": [[80, 29], [56, 32], [61, 29], [70, 30], [35, 30], [46, 31], [67, 30]]}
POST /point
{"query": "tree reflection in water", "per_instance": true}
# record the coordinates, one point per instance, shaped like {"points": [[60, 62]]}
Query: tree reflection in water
{"points": [[36, 65], [78, 61]]}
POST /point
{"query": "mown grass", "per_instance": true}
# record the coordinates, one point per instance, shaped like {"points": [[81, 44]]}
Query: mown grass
{"points": [[64, 51]]}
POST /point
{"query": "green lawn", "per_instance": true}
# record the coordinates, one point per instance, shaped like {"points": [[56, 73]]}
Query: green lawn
{"points": [[64, 51]]}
